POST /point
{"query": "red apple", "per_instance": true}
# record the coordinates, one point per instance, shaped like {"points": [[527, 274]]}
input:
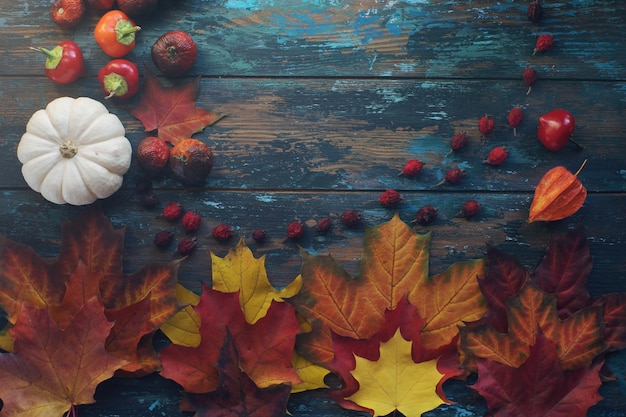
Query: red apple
{"points": [[555, 129]]}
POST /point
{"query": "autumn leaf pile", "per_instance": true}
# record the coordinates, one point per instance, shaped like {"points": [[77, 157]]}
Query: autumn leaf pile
{"points": [[393, 335]]}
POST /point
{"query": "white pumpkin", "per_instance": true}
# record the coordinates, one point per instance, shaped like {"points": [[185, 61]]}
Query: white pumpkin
{"points": [[74, 151]]}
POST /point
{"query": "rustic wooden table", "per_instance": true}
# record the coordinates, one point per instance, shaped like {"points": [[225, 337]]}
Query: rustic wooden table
{"points": [[325, 101]]}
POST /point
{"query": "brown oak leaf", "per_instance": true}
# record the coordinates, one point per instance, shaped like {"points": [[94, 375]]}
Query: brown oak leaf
{"points": [[52, 369], [171, 110]]}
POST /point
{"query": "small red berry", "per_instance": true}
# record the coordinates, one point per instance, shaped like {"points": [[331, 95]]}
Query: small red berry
{"points": [[412, 167], [530, 77], [426, 215], [149, 201], [186, 246], [453, 176], [222, 232], [323, 225], [143, 185], [259, 235], [516, 115], [173, 211], [163, 239], [486, 125], [535, 12], [544, 43], [191, 221], [469, 209], [295, 230], [458, 142], [351, 218], [497, 155], [390, 198]]}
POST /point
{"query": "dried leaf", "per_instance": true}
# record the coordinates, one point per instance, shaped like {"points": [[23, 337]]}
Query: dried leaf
{"points": [[395, 382], [89, 265], [265, 347], [172, 111], [53, 369], [564, 270], [579, 339], [184, 327], [238, 395], [239, 271], [394, 263], [405, 319], [558, 195], [311, 375], [539, 386]]}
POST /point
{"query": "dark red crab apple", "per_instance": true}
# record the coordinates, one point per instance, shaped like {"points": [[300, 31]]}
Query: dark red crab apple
{"points": [[555, 129], [174, 53]]}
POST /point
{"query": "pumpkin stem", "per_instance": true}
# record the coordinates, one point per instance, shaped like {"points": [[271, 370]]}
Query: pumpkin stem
{"points": [[581, 168], [68, 149]]}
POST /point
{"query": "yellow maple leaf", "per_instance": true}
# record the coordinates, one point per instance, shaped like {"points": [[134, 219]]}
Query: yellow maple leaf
{"points": [[240, 271], [395, 382], [312, 375], [184, 327]]}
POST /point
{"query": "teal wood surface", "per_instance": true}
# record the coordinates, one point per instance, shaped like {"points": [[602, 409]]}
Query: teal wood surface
{"points": [[324, 101]]}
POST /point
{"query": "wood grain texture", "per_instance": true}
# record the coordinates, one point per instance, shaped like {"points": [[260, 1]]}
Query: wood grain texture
{"points": [[324, 102]]}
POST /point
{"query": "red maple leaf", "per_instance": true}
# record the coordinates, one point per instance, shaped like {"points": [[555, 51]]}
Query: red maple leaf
{"points": [[265, 347], [238, 395], [53, 369], [564, 271], [539, 387], [504, 278], [172, 111]]}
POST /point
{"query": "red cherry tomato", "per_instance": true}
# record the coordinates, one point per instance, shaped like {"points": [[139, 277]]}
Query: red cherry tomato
{"points": [[115, 33], [64, 62], [555, 129], [119, 78]]}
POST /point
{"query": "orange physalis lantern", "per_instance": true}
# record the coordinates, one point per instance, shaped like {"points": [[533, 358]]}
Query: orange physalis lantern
{"points": [[558, 195]]}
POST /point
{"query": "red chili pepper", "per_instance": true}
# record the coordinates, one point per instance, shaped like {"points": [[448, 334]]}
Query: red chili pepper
{"points": [[115, 33], [64, 62], [119, 78]]}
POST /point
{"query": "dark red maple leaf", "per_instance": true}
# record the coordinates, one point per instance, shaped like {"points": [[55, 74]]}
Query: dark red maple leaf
{"points": [[614, 305], [265, 348], [564, 271], [539, 387], [504, 278], [238, 395], [172, 111]]}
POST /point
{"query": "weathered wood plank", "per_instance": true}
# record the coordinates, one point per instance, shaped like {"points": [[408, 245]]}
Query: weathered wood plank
{"points": [[317, 134], [438, 39], [26, 218]]}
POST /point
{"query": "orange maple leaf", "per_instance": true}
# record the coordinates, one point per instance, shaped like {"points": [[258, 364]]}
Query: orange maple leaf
{"points": [[579, 338], [172, 111], [384, 377], [52, 369], [394, 263], [89, 265]]}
